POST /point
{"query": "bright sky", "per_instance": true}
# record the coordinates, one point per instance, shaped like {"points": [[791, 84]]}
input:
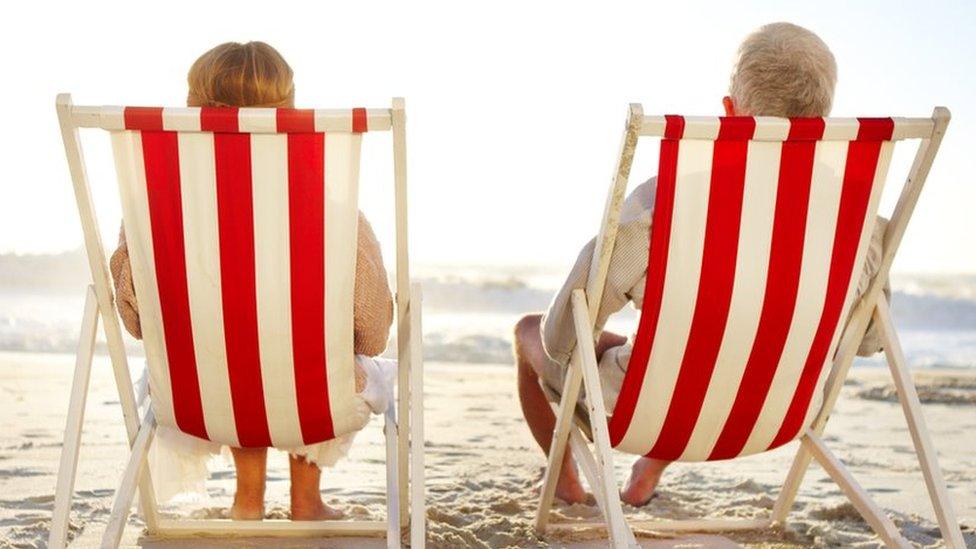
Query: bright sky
{"points": [[514, 108]]}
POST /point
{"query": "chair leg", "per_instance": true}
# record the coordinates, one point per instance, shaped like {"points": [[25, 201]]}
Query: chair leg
{"points": [[403, 447], [557, 448], [418, 501], [620, 533], [392, 482], [587, 463], [405, 339], [787, 494], [581, 452], [58, 535], [130, 480], [912, 407], [403, 299], [880, 523], [843, 359]]}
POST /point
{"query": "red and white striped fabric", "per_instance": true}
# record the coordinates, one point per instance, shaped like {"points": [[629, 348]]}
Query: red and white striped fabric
{"points": [[759, 234], [241, 226]]}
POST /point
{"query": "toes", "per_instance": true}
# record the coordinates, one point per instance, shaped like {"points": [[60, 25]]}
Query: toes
{"points": [[574, 494], [634, 501], [319, 512]]}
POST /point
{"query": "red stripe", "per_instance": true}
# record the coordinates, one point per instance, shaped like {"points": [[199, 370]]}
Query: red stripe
{"points": [[736, 128], [235, 214], [161, 158], [219, 119], [714, 287], [623, 413], [306, 208], [875, 129], [862, 163], [674, 126], [295, 120], [359, 120], [143, 118], [806, 129], [782, 281]]}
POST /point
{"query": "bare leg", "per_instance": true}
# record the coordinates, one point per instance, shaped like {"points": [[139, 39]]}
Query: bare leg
{"points": [[538, 414], [531, 360], [251, 465], [306, 499]]}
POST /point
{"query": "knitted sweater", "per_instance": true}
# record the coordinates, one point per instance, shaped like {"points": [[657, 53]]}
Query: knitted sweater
{"points": [[372, 301]]}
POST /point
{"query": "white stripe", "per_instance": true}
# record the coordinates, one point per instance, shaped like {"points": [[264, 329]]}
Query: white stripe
{"points": [[269, 179], [841, 129], [825, 191], [680, 293], [198, 191], [704, 127], [127, 149], [771, 128], [880, 176], [183, 119], [333, 120], [257, 120], [341, 218], [748, 291]]}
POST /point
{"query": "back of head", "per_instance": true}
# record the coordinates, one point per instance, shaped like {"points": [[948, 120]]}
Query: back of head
{"points": [[241, 75], [783, 70]]}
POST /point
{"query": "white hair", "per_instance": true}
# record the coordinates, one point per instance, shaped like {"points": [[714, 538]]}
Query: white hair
{"points": [[783, 70]]}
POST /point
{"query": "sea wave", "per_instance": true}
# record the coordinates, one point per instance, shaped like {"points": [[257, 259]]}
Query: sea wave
{"points": [[468, 317]]}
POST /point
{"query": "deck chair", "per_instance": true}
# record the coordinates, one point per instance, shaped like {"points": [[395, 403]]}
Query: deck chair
{"points": [[241, 229], [759, 234]]}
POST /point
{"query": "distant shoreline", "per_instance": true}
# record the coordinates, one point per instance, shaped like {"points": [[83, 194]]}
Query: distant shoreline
{"points": [[469, 312]]}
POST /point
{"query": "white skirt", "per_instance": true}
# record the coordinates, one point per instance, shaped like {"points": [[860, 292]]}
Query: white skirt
{"points": [[180, 463]]}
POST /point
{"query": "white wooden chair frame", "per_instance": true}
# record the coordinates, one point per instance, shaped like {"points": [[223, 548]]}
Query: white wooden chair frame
{"points": [[404, 438], [597, 465]]}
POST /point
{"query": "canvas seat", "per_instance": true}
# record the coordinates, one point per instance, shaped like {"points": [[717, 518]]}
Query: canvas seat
{"points": [[241, 227], [749, 321]]}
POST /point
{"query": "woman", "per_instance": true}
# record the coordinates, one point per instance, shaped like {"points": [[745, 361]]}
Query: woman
{"points": [[256, 75]]}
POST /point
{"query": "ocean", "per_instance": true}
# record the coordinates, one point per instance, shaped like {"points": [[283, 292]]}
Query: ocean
{"points": [[469, 313]]}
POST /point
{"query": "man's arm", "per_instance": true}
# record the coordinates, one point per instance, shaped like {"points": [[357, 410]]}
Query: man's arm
{"points": [[872, 342], [625, 277]]}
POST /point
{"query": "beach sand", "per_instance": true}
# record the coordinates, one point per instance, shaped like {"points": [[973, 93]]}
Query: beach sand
{"points": [[483, 468]]}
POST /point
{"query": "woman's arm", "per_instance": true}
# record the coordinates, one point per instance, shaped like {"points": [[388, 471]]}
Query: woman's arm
{"points": [[125, 293], [372, 300]]}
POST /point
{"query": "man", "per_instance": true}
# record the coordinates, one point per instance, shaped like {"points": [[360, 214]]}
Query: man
{"points": [[782, 70]]}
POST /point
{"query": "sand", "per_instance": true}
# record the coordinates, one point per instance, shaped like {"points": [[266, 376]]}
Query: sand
{"points": [[484, 468]]}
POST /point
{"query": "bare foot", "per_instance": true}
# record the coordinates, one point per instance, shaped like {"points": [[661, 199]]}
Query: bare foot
{"points": [[313, 509], [243, 509], [569, 488], [644, 476], [306, 499]]}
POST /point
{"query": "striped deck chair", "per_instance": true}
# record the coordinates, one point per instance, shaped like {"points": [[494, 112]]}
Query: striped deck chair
{"points": [[241, 229], [758, 238]]}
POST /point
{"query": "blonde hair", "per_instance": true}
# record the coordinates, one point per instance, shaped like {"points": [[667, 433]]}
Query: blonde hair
{"points": [[783, 70], [252, 74]]}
